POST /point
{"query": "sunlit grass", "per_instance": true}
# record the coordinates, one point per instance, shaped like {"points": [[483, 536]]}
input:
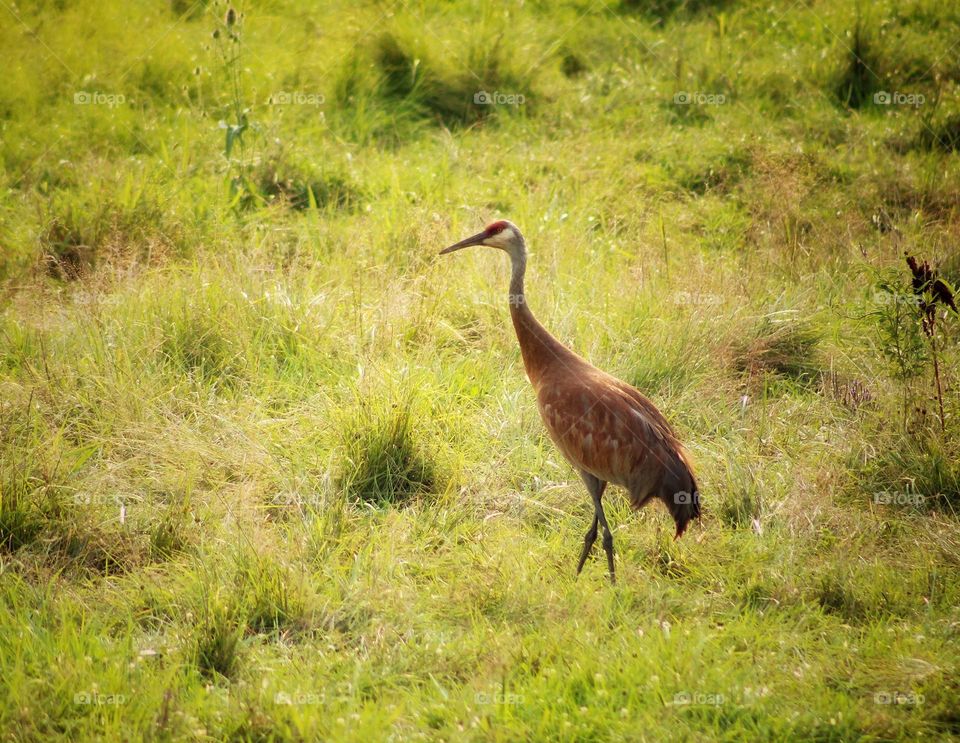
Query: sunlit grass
{"points": [[270, 468]]}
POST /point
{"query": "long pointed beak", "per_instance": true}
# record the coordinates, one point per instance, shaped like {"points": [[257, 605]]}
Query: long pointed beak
{"points": [[474, 240]]}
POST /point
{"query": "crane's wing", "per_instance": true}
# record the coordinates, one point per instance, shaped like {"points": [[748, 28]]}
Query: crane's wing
{"points": [[608, 428]]}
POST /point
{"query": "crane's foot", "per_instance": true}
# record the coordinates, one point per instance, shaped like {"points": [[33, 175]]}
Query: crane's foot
{"points": [[596, 488], [608, 548], [588, 539]]}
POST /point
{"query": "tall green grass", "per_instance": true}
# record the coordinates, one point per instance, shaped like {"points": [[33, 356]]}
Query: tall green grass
{"points": [[270, 468]]}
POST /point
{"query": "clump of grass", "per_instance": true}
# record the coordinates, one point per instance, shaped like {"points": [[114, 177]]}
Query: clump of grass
{"points": [[780, 346], [264, 598], [881, 60], [20, 524], [84, 545], [413, 84], [862, 592], [406, 75], [326, 528], [858, 79], [667, 9], [572, 65], [67, 251], [300, 187], [73, 532], [905, 193], [188, 9], [80, 235], [172, 534], [942, 135], [22, 481], [21, 346], [658, 373], [765, 591], [217, 638], [738, 501], [777, 91], [195, 346], [255, 724], [915, 468], [719, 173], [384, 462], [668, 558], [271, 599], [836, 593], [740, 507]]}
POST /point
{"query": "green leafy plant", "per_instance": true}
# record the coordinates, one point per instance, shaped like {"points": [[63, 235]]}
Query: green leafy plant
{"points": [[900, 341], [237, 125], [931, 292]]}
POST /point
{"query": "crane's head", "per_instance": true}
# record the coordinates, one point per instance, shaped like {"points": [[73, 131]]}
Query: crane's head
{"points": [[501, 234]]}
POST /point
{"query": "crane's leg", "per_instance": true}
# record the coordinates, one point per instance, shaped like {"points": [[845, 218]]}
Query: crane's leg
{"points": [[588, 540], [596, 487]]}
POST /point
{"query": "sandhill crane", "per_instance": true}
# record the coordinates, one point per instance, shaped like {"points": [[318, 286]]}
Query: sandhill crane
{"points": [[604, 427]]}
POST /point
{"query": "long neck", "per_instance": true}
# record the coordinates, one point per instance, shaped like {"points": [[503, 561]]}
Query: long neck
{"points": [[539, 349]]}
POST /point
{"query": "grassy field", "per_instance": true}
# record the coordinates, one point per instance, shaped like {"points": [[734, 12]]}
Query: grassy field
{"points": [[270, 469]]}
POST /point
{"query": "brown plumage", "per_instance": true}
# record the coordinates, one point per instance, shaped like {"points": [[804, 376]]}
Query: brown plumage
{"points": [[926, 284], [603, 426]]}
